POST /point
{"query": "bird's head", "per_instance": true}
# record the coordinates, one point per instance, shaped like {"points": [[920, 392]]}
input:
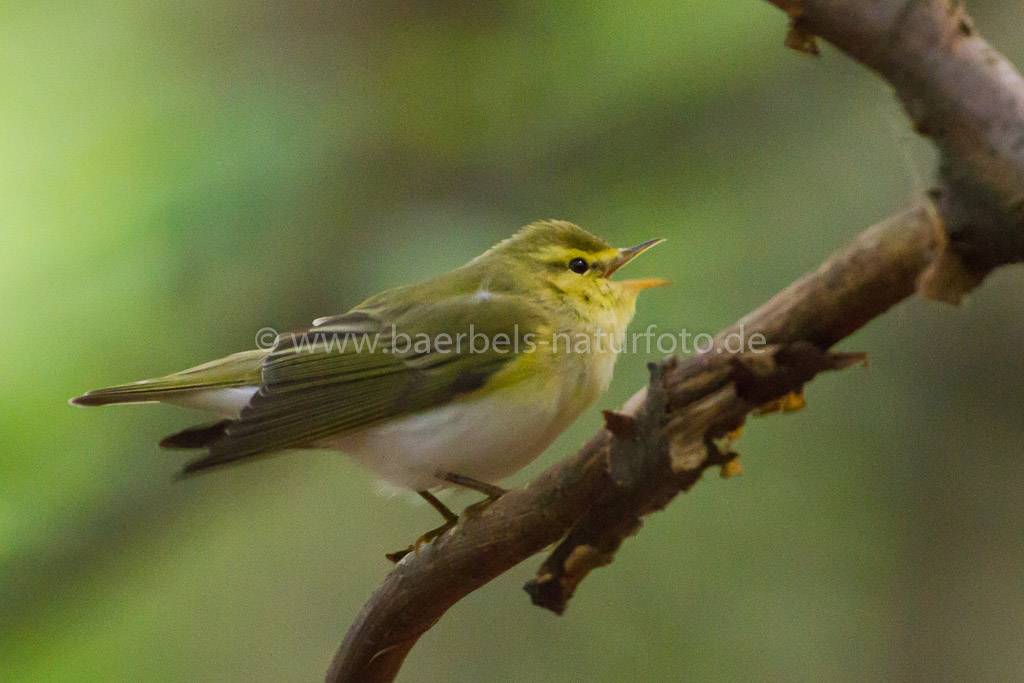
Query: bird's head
{"points": [[566, 262]]}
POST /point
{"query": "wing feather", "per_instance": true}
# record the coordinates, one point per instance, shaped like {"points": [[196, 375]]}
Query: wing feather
{"points": [[316, 387]]}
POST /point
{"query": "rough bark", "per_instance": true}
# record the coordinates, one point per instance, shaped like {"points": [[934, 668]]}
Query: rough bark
{"points": [[958, 91]]}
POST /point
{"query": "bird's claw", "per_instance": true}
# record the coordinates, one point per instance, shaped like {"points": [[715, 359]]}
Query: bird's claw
{"points": [[426, 538], [475, 509]]}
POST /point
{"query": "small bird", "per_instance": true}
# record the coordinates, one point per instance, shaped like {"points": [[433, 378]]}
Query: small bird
{"points": [[461, 380]]}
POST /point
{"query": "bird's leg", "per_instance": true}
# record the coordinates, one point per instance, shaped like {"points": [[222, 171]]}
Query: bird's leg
{"points": [[450, 520], [492, 492], [449, 516]]}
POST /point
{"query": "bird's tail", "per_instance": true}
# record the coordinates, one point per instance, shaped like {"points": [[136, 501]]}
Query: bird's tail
{"points": [[196, 437], [219, 386]]}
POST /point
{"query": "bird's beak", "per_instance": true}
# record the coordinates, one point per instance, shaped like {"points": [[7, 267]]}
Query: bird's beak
{"points": [[625, 256], [645, 283]]}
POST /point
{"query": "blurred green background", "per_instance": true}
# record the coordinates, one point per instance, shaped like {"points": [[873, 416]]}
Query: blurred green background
{"points": [[176, 175]]}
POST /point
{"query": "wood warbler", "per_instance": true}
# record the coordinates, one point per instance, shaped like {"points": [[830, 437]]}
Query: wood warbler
{"points": [[463, 379]]}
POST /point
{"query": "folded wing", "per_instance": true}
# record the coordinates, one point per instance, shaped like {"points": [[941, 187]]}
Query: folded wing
{"points": [[361, 369]]}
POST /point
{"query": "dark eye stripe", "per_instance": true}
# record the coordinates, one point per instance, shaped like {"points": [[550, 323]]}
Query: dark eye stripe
{"points": [[579, 266]]}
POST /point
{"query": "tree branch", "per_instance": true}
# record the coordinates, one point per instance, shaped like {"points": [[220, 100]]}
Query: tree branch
{"points": [[665, 448], [957, 90], [704, 398]]}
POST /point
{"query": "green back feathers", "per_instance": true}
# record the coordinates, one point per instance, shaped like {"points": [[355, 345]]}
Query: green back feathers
{"points": [[510, 267]]}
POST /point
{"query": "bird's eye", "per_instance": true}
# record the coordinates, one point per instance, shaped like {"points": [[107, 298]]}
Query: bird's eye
{"points": [[579, 266]]}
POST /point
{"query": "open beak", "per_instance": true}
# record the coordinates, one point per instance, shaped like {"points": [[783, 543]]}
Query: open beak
{"points": [[645, 283], [625, 256]]}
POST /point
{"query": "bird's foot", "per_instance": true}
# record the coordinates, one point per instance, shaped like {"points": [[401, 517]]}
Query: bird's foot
{"points": [[425, 539], [475, 509], [492, 492]]}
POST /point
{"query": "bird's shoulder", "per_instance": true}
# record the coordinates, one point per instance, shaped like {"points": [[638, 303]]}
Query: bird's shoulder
{"points": [[485, 298]]}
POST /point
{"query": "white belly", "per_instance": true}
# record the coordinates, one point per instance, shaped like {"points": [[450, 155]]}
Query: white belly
{"points": [[486, 439]]}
